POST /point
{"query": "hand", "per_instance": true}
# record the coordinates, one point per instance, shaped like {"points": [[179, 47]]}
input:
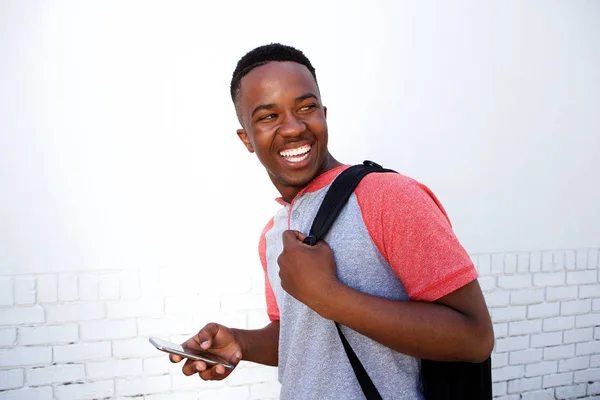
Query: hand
{"points": [[307, 272], [218, 340]]}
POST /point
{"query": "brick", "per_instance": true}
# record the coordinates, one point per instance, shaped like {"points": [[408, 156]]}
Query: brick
{"points": [[49, 334], [513, 313], [38, 376], [570, 259], [543, 368], [582, 349], [135, 308], [497, 298], [543, 310], [500, 359], [250, 301], [595, 360], [22, 315], [570, 392], [144, 385], [83, 391], [575, 307], [593, 259], [582, 277], [24, 287], [555, 380], [6, 292], [168, 396], [106, 330], [38, 393], [593, 388], [527, 296], [188, 305], [253, 374], [47, 289], [524, 384], [527, 356], [67, 287], [512, 343], [558, 324], [166, 326], [578, 335], [558, 259], [500, 330], [584, 321], [487, 283], [114, 368], [545, 394], [574, 364], [596, 305], [74, 312], [8, 336], [549, 279], [561, 293], [581, 260], [498, 388], [597, 333], [505, 373], [11, 379], [524, 327], [108, 288], [547, 261], [496, 262], [546, 339], [160, 366], [129, 283], [138, 347], [22, 356], [586, 291], [82, 352], [270, 390], [88, 287], [483, 264], [226, 393], [514, 281], [559, 352], [588, 375], [510, 263], [182, 382], [523, 262], [535, 262]]}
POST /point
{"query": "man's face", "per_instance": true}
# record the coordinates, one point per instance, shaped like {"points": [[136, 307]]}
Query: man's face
{"points": [[284, 123]]}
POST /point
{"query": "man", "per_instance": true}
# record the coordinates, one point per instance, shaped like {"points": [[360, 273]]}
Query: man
{"points": [[390, 271]]}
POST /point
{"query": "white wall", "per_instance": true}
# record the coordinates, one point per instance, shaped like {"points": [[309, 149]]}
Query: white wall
{"points": [[118, 149]]}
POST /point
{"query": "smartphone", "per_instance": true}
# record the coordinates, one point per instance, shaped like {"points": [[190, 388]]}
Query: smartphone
{"points": [[192, 354]]}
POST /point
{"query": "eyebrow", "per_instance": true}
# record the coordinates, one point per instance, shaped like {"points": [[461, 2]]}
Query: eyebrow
{"points": [[272, 105]]}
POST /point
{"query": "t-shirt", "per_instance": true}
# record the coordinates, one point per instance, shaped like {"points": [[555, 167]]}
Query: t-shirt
{"points": [[393, 240]]}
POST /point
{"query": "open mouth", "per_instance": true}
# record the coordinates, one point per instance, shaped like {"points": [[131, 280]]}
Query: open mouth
{"points": [[296, 155]]}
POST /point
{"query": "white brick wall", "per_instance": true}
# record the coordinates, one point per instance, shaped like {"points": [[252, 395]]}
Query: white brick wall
{"points": [[85, 335]]}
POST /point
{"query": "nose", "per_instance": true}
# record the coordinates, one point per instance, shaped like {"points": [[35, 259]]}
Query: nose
{"points": [[291, 126]]}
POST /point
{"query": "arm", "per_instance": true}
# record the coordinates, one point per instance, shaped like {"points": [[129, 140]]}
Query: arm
{"points": [[259, 345], [455, 327]]}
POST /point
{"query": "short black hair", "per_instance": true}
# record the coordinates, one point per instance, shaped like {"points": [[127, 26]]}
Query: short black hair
{"points": [[262, 55]]}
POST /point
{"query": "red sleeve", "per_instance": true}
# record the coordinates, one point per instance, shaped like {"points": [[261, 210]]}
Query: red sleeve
{"points": [[413, 233], [272, 308]]}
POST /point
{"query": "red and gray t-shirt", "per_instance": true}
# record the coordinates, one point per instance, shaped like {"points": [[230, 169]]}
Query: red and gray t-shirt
{"points": [[393, 240]]}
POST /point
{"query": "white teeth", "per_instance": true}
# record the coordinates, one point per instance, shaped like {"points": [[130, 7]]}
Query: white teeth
{"points": [[295, 152]]}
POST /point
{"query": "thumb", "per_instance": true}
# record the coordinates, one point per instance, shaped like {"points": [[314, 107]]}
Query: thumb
{"points": [[206, 335]]}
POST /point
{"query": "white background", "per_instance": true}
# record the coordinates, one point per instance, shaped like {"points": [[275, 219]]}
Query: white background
{"points": [[117, 133]]}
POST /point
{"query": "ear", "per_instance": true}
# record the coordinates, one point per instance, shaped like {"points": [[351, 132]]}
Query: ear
{"points": [[325, 111], [244, 138]]}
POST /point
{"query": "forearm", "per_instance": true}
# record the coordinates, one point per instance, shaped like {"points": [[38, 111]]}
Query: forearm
{"points": [[420, 329], [260, 345]]}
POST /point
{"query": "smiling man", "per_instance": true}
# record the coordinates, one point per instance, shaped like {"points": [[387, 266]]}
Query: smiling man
{"points": [[390, 271]]}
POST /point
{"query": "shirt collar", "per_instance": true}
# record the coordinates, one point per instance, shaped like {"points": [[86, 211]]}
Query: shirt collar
{"points": [[318, 183]]}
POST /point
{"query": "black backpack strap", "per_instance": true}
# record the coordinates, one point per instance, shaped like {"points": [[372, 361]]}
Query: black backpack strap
{"points": [[338, 194]]}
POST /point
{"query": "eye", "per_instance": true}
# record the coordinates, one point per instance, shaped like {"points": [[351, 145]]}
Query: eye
{"points": [[267, 117], [308, 107]]}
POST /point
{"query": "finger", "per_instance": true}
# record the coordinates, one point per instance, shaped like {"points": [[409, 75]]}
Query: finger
{"points": [[174, 358], [215, 373], [292, 237], [192, 367], [206, 335]]}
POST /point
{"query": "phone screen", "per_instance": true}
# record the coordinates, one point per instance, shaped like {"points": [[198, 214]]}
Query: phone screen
{"points": [[174, 348]]}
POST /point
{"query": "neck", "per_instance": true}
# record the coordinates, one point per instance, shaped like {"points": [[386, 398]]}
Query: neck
{"points": [[288, 193]]}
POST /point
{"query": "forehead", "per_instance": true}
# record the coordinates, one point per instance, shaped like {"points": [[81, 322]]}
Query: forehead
{"points": [[276, 81]]}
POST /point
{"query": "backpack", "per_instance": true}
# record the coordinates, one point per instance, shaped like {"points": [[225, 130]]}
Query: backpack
{"points": [[440, 380]]}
